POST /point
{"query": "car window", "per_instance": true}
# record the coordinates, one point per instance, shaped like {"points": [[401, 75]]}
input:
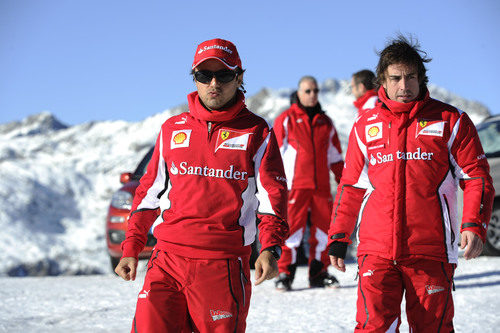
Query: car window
{"points": [[143, 165], [489, 133]]}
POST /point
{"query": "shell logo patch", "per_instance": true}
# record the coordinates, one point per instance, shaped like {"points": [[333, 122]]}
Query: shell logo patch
{"points": [[430, 127], [373, 131], [234, 140], [180, 139]]}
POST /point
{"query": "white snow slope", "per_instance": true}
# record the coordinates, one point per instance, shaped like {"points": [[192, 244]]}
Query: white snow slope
{"points": [[105, 303], [56, 181]]}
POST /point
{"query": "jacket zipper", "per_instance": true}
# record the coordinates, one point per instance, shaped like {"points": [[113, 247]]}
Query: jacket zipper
{"points": [[314, 152], [209, 129], [209, 126], [389, 136], [452, 238]]}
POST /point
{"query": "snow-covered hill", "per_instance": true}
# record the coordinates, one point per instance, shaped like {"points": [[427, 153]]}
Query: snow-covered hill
{"points": [[56, 181]]}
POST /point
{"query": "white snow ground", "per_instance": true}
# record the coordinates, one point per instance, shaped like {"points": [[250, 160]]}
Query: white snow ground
{"points": [[105, 303]]}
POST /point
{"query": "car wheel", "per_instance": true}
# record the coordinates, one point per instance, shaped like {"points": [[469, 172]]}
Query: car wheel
{"points": [[492, 246], [114, 262]]}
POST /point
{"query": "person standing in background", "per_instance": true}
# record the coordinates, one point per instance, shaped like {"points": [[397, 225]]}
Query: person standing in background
{"points": [[310, 148], [363, 89]]}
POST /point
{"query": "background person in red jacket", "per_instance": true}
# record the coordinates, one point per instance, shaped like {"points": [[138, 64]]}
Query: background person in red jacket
{"points": [[310, 148], [210, 170], [405, 160], [363, 89]]}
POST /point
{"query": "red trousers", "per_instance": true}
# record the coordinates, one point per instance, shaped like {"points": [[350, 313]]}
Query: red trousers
{"points": [[427, 286], [193, 295], [300, 203]]}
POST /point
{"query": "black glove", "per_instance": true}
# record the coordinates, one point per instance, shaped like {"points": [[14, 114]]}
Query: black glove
{"points": [[338, 249]]}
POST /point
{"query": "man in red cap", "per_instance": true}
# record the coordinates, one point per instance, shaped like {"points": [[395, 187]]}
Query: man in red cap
{"points": [[213, 171], [363, 89]]}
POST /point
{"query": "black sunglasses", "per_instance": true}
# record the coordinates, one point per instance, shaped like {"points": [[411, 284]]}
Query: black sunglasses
{"points": [[222, 76], [308, 91]]}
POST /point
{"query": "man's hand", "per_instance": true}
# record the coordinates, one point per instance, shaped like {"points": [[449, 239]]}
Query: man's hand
{"points": [[473, 242], [266, 267], [338, 263], [127, 268]]}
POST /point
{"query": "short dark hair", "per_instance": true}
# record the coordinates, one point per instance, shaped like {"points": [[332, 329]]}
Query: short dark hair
{"points": [[366, 77], [402, 50]]}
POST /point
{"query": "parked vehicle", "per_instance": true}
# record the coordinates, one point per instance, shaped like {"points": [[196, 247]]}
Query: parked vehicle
{"points": [[489, 133], [119, 210]]}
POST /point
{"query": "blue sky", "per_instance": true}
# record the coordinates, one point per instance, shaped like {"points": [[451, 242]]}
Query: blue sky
{"points": [[126, 60]]}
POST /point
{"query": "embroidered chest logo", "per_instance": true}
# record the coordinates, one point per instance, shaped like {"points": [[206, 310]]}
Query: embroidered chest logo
{"points": [[229, 139], [180, 139], [373, 132], [430, 127], [380, 158]]}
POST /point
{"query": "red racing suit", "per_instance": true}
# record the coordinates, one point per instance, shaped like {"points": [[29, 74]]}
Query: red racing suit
{"points": [[310, 148], [209, 178], [403, 165], [211, 175], [366, 102]]}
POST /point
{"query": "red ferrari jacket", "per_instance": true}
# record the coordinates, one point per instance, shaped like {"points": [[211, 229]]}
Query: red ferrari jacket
{"points": [[366, 102], [209, 174], [309, 148], [403, 165]]}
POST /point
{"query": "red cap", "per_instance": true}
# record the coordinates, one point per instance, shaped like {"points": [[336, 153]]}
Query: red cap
{"points": [[220, 49]]}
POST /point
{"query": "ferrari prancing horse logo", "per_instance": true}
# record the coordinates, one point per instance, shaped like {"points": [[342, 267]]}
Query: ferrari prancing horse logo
{"points": [[224, 135]]}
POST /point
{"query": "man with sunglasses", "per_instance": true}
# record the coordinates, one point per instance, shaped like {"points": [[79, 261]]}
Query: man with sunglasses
{"points": [[214, 170], [310, 148]]}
